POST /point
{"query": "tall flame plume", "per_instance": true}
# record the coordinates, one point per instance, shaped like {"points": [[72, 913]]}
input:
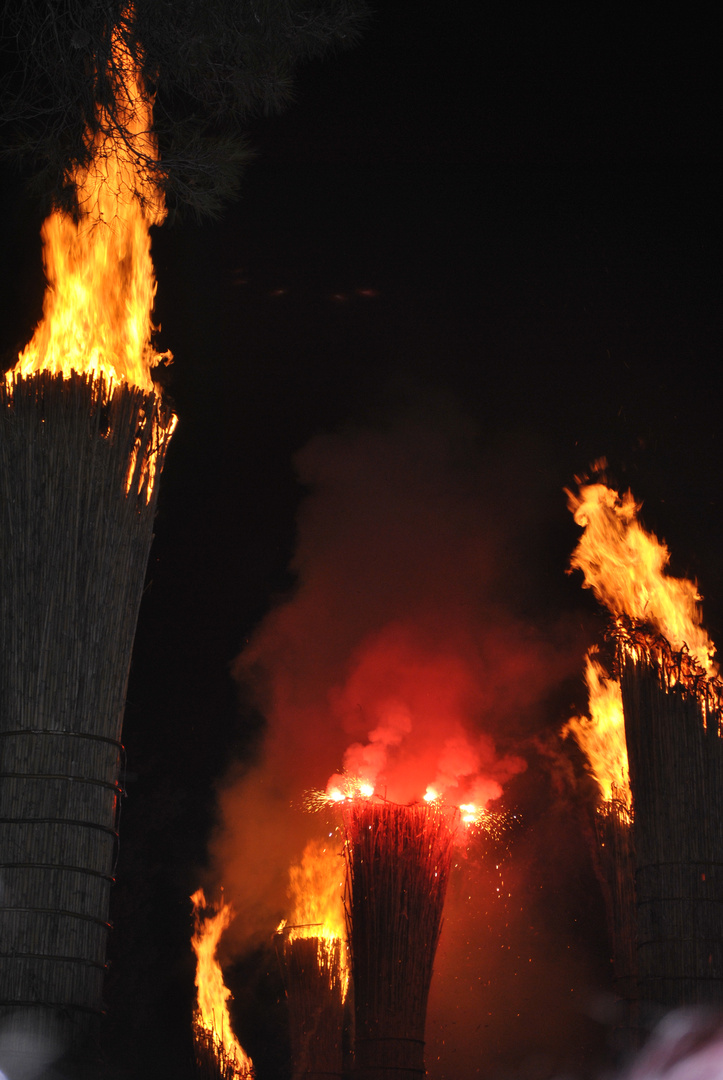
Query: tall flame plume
{"points": [[212, 1025], [625, 566], [101, 285]]}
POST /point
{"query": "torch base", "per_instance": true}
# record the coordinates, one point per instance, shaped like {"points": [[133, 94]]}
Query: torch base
{"points": [[389, 1058]]}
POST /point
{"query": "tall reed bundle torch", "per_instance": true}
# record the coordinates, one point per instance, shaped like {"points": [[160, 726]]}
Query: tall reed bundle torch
{"points": [[672, 721], [671, 700], [83, 438], [398, 860], [314, 977]]}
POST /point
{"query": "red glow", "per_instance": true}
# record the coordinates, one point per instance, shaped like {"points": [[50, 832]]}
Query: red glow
{"points": [[412, 708]]}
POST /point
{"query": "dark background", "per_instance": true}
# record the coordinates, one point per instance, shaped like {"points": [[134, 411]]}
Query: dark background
{"points": [[518, 212]]}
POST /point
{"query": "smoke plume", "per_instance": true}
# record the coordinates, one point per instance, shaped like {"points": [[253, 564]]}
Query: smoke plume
{"points": [[407, 654], [402, 654]]}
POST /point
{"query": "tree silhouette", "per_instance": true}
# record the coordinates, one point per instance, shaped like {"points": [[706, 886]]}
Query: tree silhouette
{"points": [[208, 65]]}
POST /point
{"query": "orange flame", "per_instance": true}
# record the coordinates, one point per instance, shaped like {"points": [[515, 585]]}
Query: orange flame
{"points": [[625, 567], [316, 887], [601, 736], [101, 286], [212, 1016]]}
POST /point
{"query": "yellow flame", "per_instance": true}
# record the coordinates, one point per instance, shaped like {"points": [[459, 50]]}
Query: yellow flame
{"points": [[343, 786], [601, 736], [212, 1009], [316, 889], [471, 814], [626, 567], [101, 286]]}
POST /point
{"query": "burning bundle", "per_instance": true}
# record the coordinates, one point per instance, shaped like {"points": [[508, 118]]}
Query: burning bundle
{"points": [[218, 1054], [76, 506], [315, 990], [315, 963], [398, 860], [212, 1062], [672, 717], [671, 700], [82, 443]]}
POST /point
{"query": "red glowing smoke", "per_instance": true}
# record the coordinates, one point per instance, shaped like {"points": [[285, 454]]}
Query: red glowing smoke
{"points": [[399, 655], [414, 705]]}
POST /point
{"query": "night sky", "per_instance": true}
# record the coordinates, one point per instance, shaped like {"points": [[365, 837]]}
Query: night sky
{"points": [[472, 258]]}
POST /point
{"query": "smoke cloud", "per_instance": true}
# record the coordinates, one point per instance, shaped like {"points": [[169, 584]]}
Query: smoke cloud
{"points": [[402, 655]]}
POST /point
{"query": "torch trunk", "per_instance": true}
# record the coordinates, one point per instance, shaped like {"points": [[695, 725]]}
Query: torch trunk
{"points": [[77, 500], [314, 991], [676, 774], [398, 860]]}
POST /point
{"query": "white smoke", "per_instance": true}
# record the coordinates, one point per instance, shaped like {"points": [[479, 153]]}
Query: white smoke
{"points": [[26, 1049], [686, 1045]]}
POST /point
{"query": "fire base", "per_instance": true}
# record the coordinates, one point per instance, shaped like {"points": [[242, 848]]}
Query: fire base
{"points": [[676, 773], [77, 501], [398, 860], [211, 1062]]}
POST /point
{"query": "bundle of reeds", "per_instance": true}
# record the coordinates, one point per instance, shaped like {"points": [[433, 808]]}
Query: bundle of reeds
{"points": [[315, 993], [398, 863], [211, 1059], [672, 724], [78, 464]]}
